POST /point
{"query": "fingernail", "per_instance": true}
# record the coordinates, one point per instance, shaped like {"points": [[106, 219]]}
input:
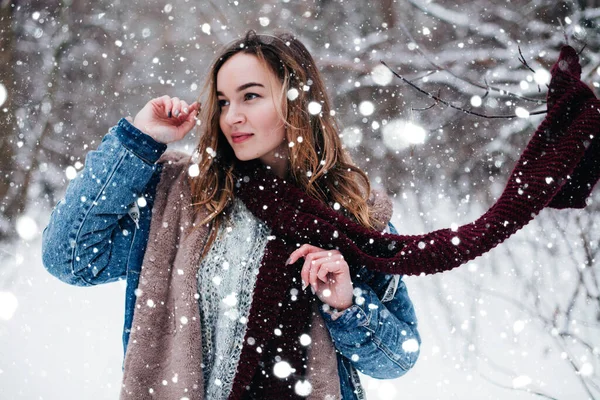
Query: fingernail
{"points": [[170, 114], [176, 113], [288, 261], [185, 110], [304, 285], [312, 289]]}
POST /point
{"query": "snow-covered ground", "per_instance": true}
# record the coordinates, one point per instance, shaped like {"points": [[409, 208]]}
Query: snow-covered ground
{"points": [[64, 342]]}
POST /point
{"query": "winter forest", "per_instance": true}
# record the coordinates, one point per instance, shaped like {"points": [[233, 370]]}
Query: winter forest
{"points": [[521, 322]]}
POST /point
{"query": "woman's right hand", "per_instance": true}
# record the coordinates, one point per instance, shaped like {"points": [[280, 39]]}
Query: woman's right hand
{"points": [[167, 119]]}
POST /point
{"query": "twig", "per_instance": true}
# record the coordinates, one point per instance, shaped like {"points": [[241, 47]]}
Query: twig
{"points": [[448, 104], [572, 302], [8, 253], [524, 62], [570, 359], [487, 87], [426, 75], [576, 338], [564, 31], [561, 335], [426, 108], [528, 390]]}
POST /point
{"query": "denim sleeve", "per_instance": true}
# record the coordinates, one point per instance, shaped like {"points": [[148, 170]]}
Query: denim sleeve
{"points": [[380, 338], [88, 238]]}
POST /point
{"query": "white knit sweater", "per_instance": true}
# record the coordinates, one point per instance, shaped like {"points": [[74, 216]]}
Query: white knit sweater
{"points": [[226, 280]]}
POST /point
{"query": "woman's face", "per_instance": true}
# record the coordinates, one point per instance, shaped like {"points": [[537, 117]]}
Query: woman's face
{"points": [[250, 116]]}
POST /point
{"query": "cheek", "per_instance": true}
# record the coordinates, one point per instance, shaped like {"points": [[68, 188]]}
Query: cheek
{"points": [[276, 125], [222, 124]]}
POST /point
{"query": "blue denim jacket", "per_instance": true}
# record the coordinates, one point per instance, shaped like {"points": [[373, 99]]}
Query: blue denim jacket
{"points": [[98, 234]]}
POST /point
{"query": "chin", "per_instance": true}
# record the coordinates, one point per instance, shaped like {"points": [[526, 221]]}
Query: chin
{"points": [[244, 157]]}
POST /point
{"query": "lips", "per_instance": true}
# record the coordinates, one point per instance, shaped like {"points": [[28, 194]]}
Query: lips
{"points": [[241, 137]]}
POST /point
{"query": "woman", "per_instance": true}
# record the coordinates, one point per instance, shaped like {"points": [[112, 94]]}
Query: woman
{"points": [[217, 304], [218, 251]]}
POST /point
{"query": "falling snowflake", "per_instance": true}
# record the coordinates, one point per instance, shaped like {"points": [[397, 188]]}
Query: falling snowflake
{"points": [[518, 326], [521, 381], [381, 75], [586, 369], [305, 339], [8, 305], [366, 108], [476, 101], [264, 21], [521, 112], [27, 228], [314, 108], [303, 388], [410, 346], [283, 369], [399, 134], [351, 136], [3, 94], [194, 170]]}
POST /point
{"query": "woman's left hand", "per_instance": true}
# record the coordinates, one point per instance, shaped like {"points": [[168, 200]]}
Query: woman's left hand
{"points": [[328, 274]]}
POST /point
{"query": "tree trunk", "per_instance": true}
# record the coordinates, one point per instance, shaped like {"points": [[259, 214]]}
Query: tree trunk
{"points": [[9, 205]]}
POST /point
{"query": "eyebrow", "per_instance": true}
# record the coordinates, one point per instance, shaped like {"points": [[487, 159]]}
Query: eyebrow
{"points": [[243, 87]]}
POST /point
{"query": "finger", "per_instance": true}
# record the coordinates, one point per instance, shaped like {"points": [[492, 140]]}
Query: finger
{"points": [[176, 107], [188, 124], [305, 273], [165, 103], [191, 118], [322, 272], [196, 105], [330, 267], [312, 275], [302, 251], [318, 256], [185, 108], [336, 263], [298, 253]]}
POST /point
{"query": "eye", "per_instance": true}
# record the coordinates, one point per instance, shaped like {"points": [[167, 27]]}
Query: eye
{"points": [[251, 96], [222, 103]]}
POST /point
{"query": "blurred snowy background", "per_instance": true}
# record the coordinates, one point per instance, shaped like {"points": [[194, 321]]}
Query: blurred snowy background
{"points": [[522, 322]]}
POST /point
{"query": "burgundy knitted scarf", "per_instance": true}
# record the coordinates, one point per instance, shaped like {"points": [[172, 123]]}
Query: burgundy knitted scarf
{"points": [[558, 169]]}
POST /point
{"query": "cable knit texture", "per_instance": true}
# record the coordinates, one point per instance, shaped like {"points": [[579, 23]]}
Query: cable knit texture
{"points": [[227, 277]]}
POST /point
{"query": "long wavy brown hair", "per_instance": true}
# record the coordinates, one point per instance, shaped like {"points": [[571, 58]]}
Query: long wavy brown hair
{"points": [[320, 165]]}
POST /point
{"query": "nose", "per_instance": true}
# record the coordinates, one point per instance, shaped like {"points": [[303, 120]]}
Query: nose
{"points": [[233, 116]]}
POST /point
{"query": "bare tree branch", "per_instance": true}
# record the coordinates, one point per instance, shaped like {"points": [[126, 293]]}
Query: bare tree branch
{"points": [[486, 87], [448, 104]]}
